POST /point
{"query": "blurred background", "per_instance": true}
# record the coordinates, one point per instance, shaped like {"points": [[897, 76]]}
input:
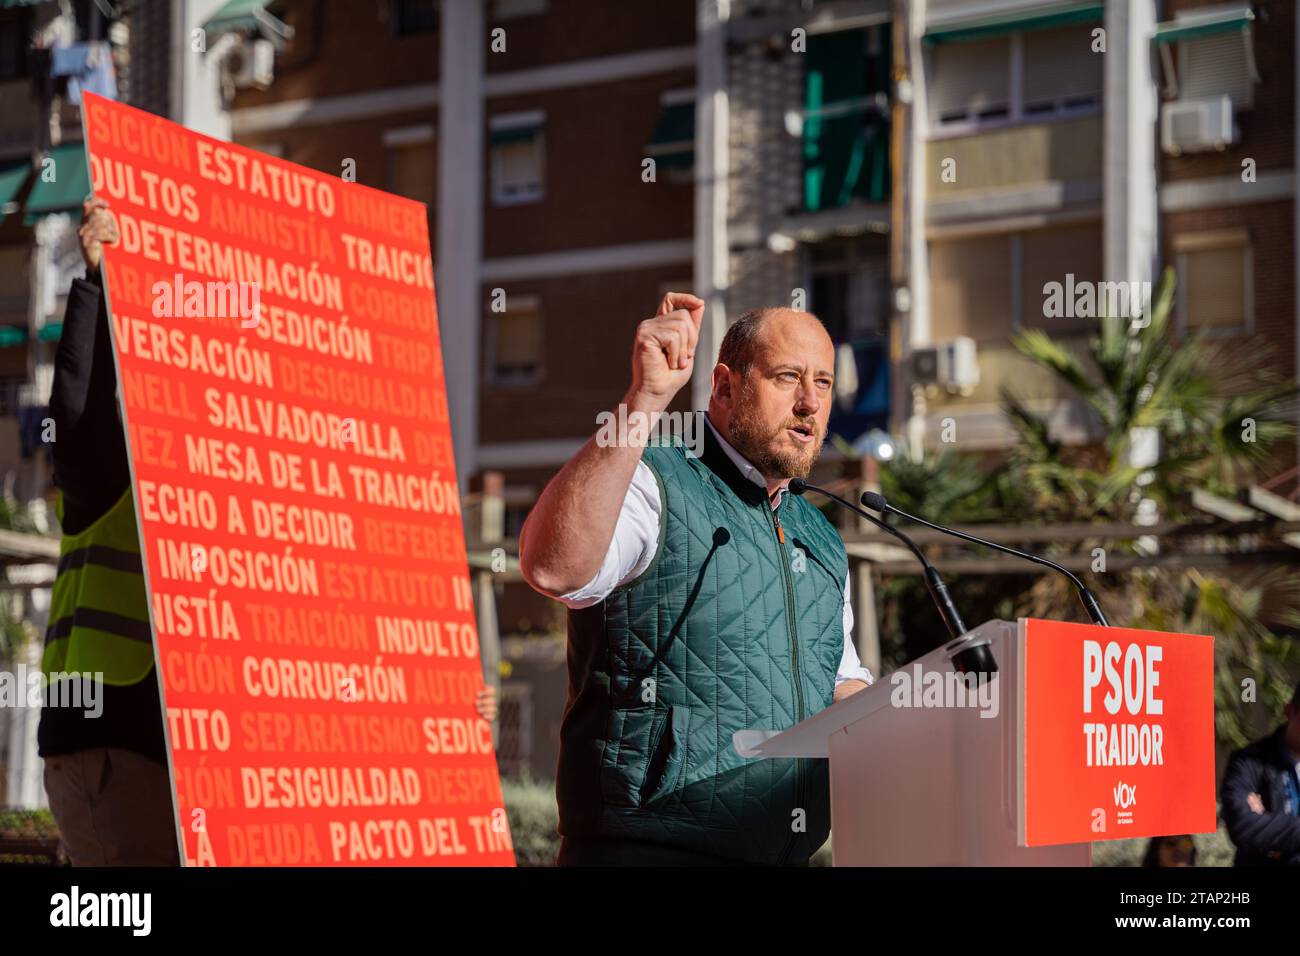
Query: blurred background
{"points": [[1053, 240]]}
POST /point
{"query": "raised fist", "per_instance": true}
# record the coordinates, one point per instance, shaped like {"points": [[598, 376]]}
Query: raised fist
{"points": [[663, 353]]}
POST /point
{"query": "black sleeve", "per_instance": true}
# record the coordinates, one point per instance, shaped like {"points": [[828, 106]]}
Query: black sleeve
{"points": [[89, 449], [1259, 833]]}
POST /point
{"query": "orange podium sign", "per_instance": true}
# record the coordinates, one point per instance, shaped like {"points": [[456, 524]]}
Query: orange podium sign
{"points": [[282, 389], [1115, 735]]}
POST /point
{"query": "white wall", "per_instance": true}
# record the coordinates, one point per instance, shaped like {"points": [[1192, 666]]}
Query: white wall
{"points": [[196, 97]]}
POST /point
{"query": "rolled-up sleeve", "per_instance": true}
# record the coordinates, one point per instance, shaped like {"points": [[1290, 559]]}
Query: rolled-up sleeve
{"points": [[636, 536], [850, 666]]}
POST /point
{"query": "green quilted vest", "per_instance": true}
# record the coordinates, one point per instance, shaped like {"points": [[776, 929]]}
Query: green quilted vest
{"points": [[729, 628]]}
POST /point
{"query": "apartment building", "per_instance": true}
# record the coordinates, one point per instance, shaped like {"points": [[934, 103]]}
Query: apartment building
{"points": [[581, 158], [551, 240], [1082, 141], [913, 171], [809, 183], [553, 141], [1227, 168], [49, 53]]}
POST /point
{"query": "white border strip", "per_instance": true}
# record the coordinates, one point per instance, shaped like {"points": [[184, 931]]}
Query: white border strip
{"points": [[409, 135], [1271, 185], [525, 119], [331, 109], [595, 70], [638, 255], [530, 454]]}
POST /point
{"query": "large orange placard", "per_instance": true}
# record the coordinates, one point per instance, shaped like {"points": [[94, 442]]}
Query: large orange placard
{"points": [[1116, 733], [282, 388]]}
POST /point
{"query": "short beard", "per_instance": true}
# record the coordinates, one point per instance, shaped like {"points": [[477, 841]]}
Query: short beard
{"points": [[756, 442]]}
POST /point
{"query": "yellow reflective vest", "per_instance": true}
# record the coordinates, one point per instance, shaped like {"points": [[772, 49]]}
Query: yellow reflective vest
{"points": [[99, 612]]}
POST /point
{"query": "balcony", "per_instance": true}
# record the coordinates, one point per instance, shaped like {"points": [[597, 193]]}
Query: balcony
{"points": [[1038, 167]]}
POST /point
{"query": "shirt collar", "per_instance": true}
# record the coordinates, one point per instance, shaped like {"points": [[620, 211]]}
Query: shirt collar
{"points": [[746, 469]]}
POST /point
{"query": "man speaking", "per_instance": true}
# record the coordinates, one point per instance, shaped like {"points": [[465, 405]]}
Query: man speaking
{"points": [[702, 600]]}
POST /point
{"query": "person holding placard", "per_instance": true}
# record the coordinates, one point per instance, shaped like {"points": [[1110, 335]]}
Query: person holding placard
{"points": [[105, 766]]}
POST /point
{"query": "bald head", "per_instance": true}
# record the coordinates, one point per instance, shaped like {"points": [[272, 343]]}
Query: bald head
{"points": [[745, 337], [772, 389]]}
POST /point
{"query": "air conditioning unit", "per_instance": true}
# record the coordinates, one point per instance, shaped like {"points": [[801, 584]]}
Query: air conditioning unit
{"points": [[252, 63], [1197, 126], [950, 365]]}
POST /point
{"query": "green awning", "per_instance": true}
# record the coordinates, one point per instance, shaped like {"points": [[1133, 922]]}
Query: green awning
{"points": [[515, 134], [235, 15], [50, 332], [12, 336], [60, 186], [1195, 25], [13, 175], [1038, 18], [247, 15]]}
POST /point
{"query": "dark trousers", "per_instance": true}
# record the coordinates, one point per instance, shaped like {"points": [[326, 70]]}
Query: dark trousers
{"points": [[575, 851]]}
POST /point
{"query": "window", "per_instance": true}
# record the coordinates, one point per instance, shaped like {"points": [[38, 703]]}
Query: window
{"points": [[1215, 282], [411, 157], [850, 287], [987, 287], [970, 81], [1215, 54], [850, 294], [672, 143], [970, 288], [415, 16], [508, 9], [517, 155], [514, 343], [1215, 66], [1070, 257], [1061, 73], [410, 171], [1022, 78]]}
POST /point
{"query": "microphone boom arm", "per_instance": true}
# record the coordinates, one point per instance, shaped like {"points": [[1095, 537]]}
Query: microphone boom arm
{"points": [[1085, 595], [933, 583]]}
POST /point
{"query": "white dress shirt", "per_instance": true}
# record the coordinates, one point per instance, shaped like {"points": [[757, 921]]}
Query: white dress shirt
{"points": [[637, 535]]}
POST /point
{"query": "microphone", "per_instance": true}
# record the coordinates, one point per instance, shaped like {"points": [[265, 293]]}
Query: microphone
{"points": [[975, 659], [877, 502]]}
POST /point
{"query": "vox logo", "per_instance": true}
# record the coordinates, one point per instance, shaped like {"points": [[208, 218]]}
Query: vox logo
{"points": [[1125, 795]]}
